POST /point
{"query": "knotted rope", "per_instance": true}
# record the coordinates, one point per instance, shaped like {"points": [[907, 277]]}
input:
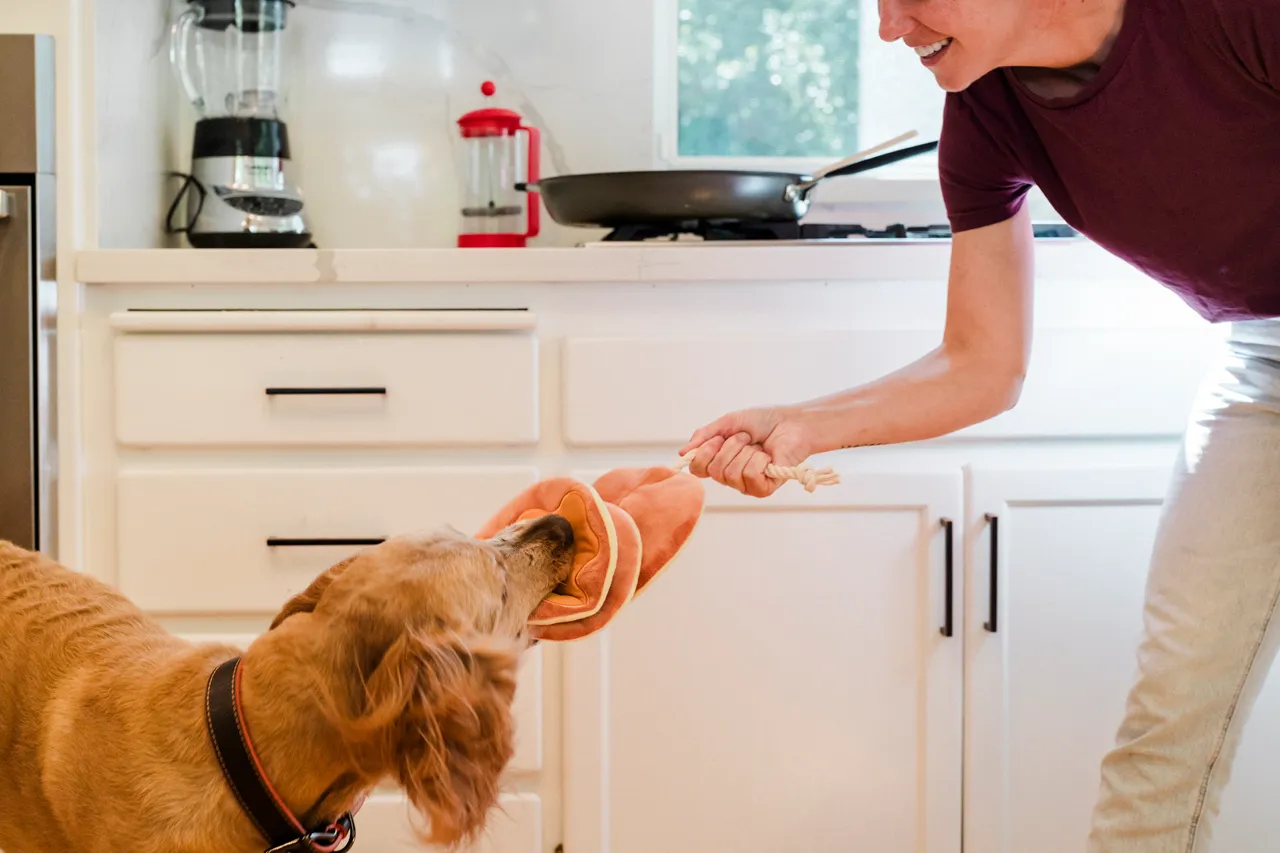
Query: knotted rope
{"points": [[802, 474]]}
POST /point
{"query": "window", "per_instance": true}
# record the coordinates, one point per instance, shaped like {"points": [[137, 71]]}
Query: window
{"points": [[805, 81], [797, 85]]}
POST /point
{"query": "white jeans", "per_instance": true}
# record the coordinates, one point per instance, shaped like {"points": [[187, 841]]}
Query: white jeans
{"points": [[1210, 632]]}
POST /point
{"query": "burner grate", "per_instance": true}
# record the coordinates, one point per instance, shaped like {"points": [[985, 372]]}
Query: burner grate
{"points": [[738, 230], [764, 231]]}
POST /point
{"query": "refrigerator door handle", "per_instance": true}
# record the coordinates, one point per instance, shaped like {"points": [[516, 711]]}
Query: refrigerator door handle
{"points": [[6, 205]]}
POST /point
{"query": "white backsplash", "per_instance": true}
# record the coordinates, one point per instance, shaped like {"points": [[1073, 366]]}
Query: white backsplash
{"points": [[376, 89]]}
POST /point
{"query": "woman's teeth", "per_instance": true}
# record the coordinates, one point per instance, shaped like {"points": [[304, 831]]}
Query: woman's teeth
{"points": [[930, 49]]}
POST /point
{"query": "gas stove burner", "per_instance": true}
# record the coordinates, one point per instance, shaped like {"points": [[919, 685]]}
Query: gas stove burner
{"points": [[764, 231]]}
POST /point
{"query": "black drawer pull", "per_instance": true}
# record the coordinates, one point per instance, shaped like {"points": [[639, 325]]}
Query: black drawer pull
{"points": [[319, 392], [948, 625], [993, 581], [285, 542]]}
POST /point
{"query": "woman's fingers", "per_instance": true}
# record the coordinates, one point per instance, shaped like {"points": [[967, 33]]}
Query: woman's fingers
{"points": [[734, 469], [706, 453], [732, 446], [719, 428], [755, 483]]}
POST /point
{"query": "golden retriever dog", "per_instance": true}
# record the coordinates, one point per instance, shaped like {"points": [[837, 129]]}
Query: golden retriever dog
{"points": [[398, 664]]}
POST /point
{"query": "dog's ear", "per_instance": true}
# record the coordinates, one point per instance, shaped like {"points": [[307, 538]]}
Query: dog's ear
{"points": [[306, 601], [436, 714], [469, 689]]}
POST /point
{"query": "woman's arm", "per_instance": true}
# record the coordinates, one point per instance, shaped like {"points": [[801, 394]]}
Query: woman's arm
{"points": [[975, 374]]}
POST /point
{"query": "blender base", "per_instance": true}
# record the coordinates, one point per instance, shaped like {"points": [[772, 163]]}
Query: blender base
{"points": [[250, 240]]}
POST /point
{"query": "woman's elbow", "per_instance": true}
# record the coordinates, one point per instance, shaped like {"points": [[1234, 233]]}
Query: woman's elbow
{"points": [[1006, 387], [995, 383]]}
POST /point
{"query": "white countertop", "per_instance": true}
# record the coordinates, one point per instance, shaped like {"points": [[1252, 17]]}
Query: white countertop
{"points": [[887, 260]]}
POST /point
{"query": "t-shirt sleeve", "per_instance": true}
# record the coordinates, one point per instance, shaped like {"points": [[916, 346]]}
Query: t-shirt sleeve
{"points": [[1252, 29], [982, 182]]}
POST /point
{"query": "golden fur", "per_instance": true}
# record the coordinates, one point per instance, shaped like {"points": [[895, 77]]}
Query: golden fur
{"points": [[397, 664]]}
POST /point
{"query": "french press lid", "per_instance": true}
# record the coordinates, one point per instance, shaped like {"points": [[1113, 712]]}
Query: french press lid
{"points": [[491, 121]]}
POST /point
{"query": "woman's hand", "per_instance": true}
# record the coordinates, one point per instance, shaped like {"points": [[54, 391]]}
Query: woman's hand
{"points": [[735, 450]]}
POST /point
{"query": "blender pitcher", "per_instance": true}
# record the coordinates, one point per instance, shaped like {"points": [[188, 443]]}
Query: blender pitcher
{"points": [[497, 212], [228, 56]]}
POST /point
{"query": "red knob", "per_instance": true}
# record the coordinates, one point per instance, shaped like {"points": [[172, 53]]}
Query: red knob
{"points": [[487, 88]]}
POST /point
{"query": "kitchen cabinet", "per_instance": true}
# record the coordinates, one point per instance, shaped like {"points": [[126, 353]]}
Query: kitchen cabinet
{"points": [[1047, 677], [788, 683], [792, 683], [1046, 683]]}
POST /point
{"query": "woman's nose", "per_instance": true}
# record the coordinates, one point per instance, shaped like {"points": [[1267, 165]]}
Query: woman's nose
{"points": [[895, 22]]}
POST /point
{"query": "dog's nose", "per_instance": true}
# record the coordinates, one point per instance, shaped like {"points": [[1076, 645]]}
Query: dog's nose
{"points": [[555, 530]]}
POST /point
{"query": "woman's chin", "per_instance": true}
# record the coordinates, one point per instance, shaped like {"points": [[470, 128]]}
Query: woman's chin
{"points": [[953, 77]]}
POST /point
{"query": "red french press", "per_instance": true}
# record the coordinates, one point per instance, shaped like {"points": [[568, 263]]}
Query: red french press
{"points": [[497, 210]]}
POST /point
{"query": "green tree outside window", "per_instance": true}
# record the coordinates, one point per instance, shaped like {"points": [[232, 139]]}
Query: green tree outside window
{"points": [[768, 78]]}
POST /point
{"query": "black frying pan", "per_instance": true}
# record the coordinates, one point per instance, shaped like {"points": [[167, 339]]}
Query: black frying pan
{"points": [[614, 199]]}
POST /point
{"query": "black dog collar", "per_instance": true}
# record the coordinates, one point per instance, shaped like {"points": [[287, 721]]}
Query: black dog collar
{"points": [[283, 831]]}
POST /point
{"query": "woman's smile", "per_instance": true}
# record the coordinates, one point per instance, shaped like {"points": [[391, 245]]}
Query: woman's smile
{"points": [[931, 54]]}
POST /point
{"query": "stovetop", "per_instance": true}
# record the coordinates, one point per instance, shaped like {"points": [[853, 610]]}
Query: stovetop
{"points": [[792, 232]]}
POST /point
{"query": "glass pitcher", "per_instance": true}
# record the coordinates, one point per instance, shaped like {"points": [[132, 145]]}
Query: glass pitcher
{"points": [[228, 55]]}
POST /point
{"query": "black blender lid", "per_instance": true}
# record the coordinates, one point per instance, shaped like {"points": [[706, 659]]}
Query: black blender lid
{"points": [[250, 16]]}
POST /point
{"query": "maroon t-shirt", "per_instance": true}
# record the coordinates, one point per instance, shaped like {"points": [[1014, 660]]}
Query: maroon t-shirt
{"points": [[1169, 158]]}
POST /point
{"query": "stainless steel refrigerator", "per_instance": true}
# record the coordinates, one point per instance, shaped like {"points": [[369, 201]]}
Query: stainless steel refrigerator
{"points": [[28, 294]]}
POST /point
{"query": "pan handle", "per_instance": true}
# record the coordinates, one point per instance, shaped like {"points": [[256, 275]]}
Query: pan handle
{"points": [[530, 186], [859, 157], [800, 190]]}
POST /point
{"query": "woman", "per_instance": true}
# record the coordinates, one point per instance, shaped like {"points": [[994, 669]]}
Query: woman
{"points": [[1152, 126]]}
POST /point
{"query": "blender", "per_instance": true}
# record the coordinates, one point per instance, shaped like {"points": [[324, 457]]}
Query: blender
{"points": [[228, 57], [497, 209]]}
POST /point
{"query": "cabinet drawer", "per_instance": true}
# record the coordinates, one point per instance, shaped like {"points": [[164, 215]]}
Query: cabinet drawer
{"points": [[1081, 383], [527, 708], [335, 384], [196, 541]]}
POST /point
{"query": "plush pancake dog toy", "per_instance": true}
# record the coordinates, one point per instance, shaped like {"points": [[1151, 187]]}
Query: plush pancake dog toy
{"points": [[628, 526], [665, 505]]}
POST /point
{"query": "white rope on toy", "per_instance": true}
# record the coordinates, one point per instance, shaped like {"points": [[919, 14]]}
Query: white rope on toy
{"points": [[802, 474]]}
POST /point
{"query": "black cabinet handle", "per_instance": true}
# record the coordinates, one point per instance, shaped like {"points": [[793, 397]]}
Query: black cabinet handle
{"points": [[317, 392], [993, 582], [948, 624], [284, 542]]}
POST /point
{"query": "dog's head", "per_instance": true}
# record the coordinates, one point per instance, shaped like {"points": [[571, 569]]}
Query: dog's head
{"points": [[428, 630]]}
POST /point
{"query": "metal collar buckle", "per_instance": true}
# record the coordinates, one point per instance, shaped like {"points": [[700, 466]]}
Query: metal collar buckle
{"points": [[336, 838]]}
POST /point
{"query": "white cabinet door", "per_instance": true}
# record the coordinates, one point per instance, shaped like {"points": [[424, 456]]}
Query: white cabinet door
{"points": [[387, 824], [785, 685], [1045, 690]]}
